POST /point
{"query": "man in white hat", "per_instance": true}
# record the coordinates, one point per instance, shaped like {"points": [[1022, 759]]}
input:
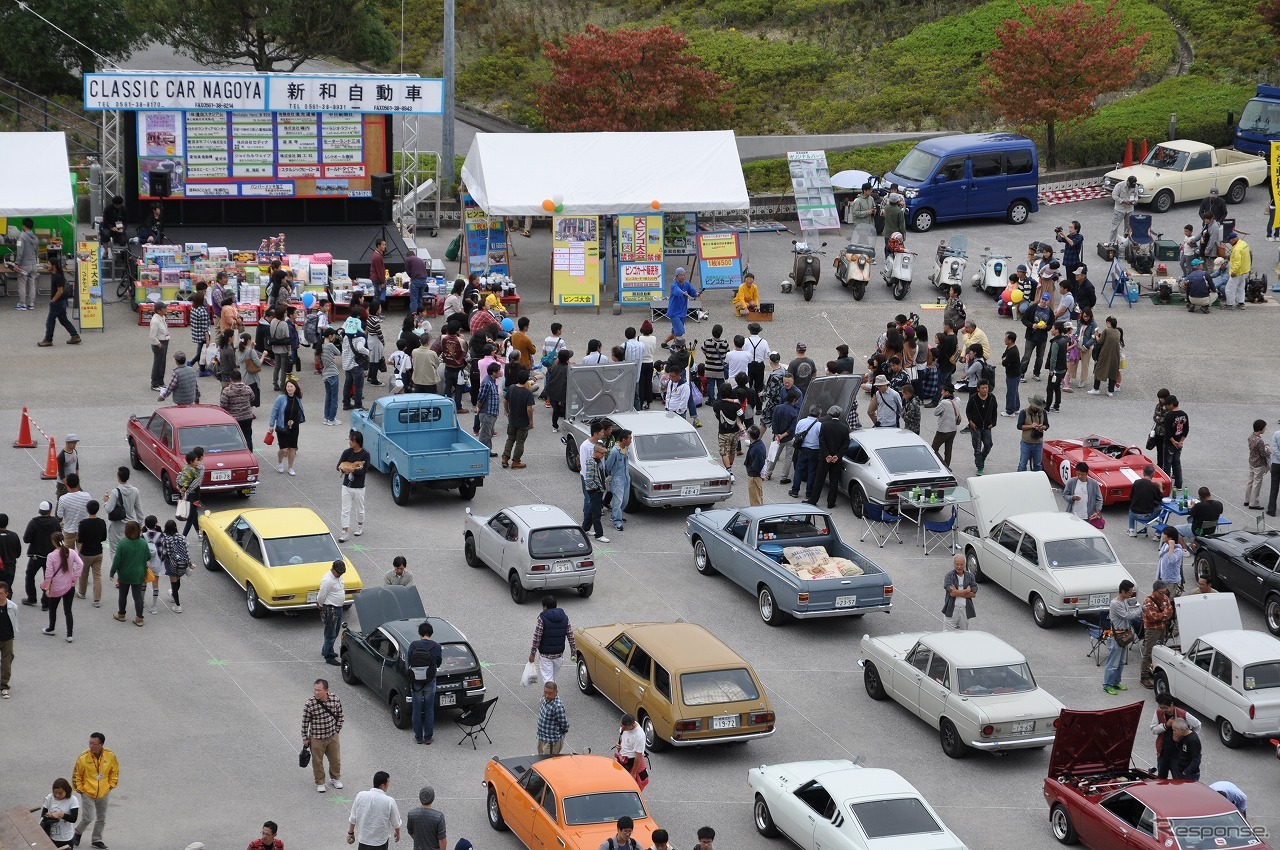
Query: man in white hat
{"points": [[886, 404], [68, 462]]}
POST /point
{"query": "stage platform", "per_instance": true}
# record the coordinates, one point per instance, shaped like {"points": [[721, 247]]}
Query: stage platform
{"points": [[344, 241]]}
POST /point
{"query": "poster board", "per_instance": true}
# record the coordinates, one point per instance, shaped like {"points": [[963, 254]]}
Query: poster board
{"points": [[640, 272], [679, 234], [815, 197], [575, 261], [89, 285], [1275, 181], [720, 260], [486, 240]]}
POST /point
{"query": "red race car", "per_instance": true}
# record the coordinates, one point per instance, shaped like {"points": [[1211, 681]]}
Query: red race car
{"points": [[1114, 466], [160, 442], [1097, 799]]}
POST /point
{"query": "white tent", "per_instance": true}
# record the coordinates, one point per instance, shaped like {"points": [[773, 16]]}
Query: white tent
{"points": [[34, 175], [605, 173]]}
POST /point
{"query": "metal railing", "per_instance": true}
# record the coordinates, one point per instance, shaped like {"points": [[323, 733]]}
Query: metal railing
{"points": [[31, 111]]}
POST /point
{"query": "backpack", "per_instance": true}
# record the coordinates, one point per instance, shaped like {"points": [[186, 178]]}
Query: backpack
{"points": [[310, 328], [280, 342], [988, 373], [117, 514], [422, 666]]}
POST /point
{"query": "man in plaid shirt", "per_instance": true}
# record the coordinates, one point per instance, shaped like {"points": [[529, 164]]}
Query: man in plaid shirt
{"points": [[321, 723], [553, 723], [489, 401], [1157, 612]]}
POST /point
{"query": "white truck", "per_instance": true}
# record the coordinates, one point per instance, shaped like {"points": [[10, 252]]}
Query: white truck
{"points": [[1183, 170]]}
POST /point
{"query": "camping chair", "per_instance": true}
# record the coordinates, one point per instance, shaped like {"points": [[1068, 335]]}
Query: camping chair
{"points": [[938, 531], [473, 720], [880, 522], [1099, 632], [1139, 250]]}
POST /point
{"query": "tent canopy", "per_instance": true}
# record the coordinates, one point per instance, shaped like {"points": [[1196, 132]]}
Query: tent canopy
{"points": [[34, 173], [605, 173]]}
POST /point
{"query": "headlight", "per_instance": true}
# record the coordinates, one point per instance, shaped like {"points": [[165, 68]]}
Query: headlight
{"points": [[910, 193]]}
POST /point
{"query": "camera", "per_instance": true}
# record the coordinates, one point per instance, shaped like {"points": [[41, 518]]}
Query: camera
{"points": [[1057, 230]]}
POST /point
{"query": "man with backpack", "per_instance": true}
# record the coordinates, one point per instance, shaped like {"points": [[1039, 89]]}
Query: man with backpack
{"points": [[623, 840], [424, 661]]}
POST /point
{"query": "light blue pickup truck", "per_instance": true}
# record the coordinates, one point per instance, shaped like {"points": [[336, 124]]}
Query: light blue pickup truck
{"points": [[415, 439]]}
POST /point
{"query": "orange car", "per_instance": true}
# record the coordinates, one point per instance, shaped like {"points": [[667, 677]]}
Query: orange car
{"points": [[570, 801]]}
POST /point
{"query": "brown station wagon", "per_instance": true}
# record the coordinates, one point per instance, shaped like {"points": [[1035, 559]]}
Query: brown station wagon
{"points": [[683, 685]]}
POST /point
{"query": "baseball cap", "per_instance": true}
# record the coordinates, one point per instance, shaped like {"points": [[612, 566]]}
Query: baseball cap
{"points": [[46, 506], [1199, 262], [1045, 297], [680, 270], [1231, 237], [1021, 267], [800, 346], [894, 198], [1082, 270]]}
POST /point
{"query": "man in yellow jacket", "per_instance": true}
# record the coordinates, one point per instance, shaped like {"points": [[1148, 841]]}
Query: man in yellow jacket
{"points": [[1238, 267], [93, 778], [748, 295]]}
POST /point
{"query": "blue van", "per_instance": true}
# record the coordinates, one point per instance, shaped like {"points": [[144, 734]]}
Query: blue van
{"points": [[974, 175]]}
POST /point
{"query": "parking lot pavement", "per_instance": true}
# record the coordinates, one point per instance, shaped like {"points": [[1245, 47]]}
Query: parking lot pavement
{"points": [[203, 708]]}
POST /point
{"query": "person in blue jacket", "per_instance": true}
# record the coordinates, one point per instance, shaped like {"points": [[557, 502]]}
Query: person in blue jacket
{"points": [[678, 304]]}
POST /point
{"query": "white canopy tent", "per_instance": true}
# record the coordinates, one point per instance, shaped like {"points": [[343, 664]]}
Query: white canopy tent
{"points": [[34, 175], [605, 173]]}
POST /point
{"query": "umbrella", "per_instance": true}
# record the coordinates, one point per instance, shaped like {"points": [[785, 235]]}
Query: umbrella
{"points": [[851, 179]]}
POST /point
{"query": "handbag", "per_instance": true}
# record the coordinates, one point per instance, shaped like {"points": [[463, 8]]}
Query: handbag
{"points": [[184, 509], [1097, 522], [1123, 637], [771, 455], [252, 366], [1152, 441], [304, 757], [151, 576], [270, 437]]}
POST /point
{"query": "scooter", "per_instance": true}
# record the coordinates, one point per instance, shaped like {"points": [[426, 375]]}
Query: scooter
{"points": [[951, 259], [806, 269], [897, 272], [853, 266], [994, 276]]}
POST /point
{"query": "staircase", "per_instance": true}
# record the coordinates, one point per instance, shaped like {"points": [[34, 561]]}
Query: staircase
{"points": [[24, 110]]}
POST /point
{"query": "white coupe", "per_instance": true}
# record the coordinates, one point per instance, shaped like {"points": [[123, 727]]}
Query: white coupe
{"points": [[837, 805], [974, 688]]}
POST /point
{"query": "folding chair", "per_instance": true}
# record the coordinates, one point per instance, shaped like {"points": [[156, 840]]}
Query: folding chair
{"points": [[938, 531], [880, 522], [474, 719], [1097, 640]]}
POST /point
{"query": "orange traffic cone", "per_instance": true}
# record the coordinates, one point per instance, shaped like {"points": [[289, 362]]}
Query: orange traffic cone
{"points": [[1128, 154], [51, 465], [1143, 156], [24, 433]]}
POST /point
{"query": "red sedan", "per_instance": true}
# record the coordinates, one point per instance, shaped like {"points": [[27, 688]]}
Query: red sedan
{"points": [[1115, 466], [160, 443], [1097, 799]]}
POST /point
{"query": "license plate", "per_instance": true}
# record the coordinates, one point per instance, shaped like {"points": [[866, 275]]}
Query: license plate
{"points": [[1024, 726], [1097, 599], [562, 567], [730, 722], [313, 596], [223, 475], [691, 491], [846, 601], [448, 699]]}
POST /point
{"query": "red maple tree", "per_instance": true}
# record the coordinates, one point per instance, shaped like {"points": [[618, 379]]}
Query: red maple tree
{"points": [[630, 80], [1270, 12], [1051, 67]]}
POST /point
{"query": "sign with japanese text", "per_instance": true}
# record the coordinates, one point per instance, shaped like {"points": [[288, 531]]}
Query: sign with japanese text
{"points": [[575, 261], [719, 260], [815, 197], [486, 240], [640, 252], [89, 285], [184, 92]]}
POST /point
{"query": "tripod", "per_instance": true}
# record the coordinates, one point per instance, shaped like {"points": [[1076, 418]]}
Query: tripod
{"points": [[1116, 282], [383, 235]]}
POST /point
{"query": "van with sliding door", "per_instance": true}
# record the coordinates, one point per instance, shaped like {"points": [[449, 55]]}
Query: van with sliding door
{"points": [[973, 175]]}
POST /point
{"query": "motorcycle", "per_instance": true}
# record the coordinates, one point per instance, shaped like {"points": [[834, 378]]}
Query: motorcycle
{"points": [[853, 266], [897, 272], [951, 259], [805, 270], [994, 276]]}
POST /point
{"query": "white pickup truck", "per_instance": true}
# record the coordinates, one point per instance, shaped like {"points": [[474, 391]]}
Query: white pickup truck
{"points": [[1183, 170]]}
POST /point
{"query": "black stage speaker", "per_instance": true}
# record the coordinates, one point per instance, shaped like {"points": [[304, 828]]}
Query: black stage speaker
{"points": [[161, 183], [383, 191]]}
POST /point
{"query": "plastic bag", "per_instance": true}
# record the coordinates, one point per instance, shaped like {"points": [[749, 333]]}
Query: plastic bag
{"points": [[530, 674]]}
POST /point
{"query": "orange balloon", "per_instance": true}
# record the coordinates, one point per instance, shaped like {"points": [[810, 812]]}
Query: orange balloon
{"points": [[549, 205], [655, 204]]}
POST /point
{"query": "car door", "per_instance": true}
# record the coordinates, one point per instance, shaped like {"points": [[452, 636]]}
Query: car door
{"points": [[909, 674], [383, 658], [1000, 548], [661, 711], [986, 185], [492, 541], [614, 661], [545, 822], [951, 192], [522, 803], [1027, 575], [1220, 696], [149, 445], [855, 467], [1250, 575], [1189, 673], [730, 548], [242, 538], [935, 687], [1199, 176], [1114, 822], [809, 804], [635, 681]]}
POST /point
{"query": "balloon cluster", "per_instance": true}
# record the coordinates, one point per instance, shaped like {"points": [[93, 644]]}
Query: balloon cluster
{"points": [[554, 204], [1011, 296]]}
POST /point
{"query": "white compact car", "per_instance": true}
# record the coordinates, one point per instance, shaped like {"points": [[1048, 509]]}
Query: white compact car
{"points": [[974, 688], [1228, 675], [533, 547], [837, 805]]}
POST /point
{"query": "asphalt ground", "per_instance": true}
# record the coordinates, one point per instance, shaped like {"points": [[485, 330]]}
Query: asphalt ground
{"points": [[203, 708]]}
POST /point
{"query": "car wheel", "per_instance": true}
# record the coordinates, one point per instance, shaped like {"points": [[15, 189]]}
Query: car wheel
{"points": [[764, 820], [1204, 567], [494, 811], [584, 678], [518, 593], [1163, 201], [1018, 213], [469, 551], [1060, 824], [651, 735], [585, 590], [857, 499], [170, 495], [206, 554], [1237, 192], [401, 717], [1228, 735], [134, 460], [399, 488], [922, 221], [769, 610], [348, 672], [1161, 682], [571, 455], [256, 609], [1040, 612], [702, 558], [1271, 613], [871, 680], [971, 559], [952, 745], [467, 490]]}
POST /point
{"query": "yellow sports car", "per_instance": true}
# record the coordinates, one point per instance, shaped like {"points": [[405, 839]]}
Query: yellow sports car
{"points": [[278, 555]]}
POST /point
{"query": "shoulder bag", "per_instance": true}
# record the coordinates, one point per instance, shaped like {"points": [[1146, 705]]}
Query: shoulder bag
{"points": [[117, 514]]}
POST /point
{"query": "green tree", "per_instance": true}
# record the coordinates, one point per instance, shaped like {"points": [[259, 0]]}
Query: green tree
{"points": [[276, 35], [47, 62]]}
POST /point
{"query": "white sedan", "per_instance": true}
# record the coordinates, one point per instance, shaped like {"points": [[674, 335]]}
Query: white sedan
{"points": [[974, 688], [837, 805]]}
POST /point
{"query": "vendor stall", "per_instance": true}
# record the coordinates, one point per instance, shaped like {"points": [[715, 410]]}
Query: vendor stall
{"points": [[38, 184]]}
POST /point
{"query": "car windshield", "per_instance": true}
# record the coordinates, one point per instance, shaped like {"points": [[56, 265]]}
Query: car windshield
{"points": [[1261, 117], [456, 657], [1079, 552], [307, 549], [212, 438], [1258, 677], [1001, 679], [669, 446], [916, 166], [603, 808], [1216, 832], [891, 818], [902, 460], [717, 686], [558, 543], [1162, 157]]}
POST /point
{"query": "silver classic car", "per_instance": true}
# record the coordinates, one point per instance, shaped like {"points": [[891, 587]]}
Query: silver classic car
{"points": [[882, 463], [533, 547]]}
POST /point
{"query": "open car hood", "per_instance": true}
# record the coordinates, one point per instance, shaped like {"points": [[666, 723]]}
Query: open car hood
{"points": [[1094, 741], [1005, 494], [384, 603], [602, 390]]}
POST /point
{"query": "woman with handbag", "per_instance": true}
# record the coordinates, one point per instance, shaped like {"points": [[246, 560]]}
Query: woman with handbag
{"points": [[287, 417], [189, 481], [249, 362], [59, 812], [281, 348], [62, 570], [176, 560]]}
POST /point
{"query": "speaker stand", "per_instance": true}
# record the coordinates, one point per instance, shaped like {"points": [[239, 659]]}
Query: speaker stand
{"points": [[385, 235]]}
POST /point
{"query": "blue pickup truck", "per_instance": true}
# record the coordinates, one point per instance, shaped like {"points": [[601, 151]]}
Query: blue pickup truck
{"points": [[791, 558], [415, 439]]}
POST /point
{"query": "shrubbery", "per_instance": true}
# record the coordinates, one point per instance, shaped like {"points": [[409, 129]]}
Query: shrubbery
{"points": [[1226, 35]]}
